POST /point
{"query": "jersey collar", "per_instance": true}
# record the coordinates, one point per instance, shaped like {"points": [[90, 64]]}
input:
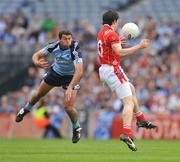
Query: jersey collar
{"points": [[107, 25], [62, 49]]}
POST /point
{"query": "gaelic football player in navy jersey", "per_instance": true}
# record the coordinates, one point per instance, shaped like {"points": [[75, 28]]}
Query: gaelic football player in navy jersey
{"points": [[66, 71]]}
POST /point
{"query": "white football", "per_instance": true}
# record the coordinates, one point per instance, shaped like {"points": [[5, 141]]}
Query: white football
{"points": [[130, 30]]}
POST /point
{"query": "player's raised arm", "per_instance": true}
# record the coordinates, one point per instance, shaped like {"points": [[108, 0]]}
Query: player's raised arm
{"points": [[127, 51], [39, 59]]}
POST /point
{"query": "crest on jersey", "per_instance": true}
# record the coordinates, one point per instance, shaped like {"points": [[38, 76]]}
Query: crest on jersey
{"points": [[113, 38]]}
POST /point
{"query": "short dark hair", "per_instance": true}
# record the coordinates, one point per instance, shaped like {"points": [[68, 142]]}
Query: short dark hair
{"points": [[109, 17], [64, 32]]}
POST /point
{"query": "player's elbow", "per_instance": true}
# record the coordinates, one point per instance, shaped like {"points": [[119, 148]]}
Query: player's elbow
{"points": [[38, 55], [33, 58], [118, 50]]}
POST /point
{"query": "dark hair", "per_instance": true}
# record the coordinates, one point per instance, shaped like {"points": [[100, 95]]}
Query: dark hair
{"points": [[64, 32], [109, 17]]}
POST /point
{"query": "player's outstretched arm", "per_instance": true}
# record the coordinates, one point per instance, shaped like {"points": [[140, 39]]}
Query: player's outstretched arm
{"points": [[128, 51], [39, 59]]}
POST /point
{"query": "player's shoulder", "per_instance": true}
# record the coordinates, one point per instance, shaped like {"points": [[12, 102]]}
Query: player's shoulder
{"points": [[106, 30], [51, 46], [74, 45], [104, 33], [75, 50], [110, 33]]}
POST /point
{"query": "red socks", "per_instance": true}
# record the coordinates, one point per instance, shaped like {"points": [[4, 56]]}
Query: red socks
{"points": [[127, 130], [140, 116]]}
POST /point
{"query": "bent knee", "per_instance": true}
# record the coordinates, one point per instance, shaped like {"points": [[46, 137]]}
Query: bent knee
{"points": [[128, 109], [128, 104], [128, 100]]}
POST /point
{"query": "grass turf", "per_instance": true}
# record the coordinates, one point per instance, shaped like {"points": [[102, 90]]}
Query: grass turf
{"points": [[87, 151]]}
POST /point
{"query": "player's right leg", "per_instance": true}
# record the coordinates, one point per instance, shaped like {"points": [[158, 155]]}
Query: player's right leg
{"points": [[73, 115], [41, 91]]}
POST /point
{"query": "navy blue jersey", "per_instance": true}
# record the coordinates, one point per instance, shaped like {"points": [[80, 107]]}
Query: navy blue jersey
{"points": [[64, 59]]}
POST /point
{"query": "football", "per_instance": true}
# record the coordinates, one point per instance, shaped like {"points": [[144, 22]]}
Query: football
{"points": [[130, 30]]}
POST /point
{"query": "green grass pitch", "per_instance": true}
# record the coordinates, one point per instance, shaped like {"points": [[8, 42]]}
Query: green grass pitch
{"points": [[88, 151]]}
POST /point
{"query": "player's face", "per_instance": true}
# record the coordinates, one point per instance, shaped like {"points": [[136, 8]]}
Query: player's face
{"points": [[65, 41]]}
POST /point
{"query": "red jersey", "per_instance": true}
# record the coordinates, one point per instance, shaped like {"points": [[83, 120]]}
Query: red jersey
{"points": [[106, 38]]}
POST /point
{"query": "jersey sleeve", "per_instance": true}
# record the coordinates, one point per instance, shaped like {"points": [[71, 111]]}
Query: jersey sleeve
{"points": [[76, 54], [49, 48], [45, 51], [113, 38]]}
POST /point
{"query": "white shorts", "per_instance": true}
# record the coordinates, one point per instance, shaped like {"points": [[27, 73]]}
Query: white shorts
{"points": [[115, 79]]}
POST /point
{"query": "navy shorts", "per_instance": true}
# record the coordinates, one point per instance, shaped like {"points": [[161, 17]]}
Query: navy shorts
{"points": [[54, 79]]}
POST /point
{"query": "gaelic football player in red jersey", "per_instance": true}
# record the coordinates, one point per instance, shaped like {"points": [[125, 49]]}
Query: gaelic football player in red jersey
{"points": [[111, 74]]}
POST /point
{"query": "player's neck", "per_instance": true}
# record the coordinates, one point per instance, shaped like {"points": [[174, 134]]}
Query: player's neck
{"points": [[111, 26], [62, 47]]}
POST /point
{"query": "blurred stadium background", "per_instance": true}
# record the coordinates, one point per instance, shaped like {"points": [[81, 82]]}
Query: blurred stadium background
{"points": [[28, 25]]}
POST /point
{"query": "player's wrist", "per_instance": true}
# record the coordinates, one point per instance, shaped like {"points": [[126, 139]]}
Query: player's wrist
{"points": [[70, 86]]}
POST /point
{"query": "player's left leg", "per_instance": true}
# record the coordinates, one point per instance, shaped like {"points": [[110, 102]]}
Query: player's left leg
{"points": [[73, 115], [127, 116], [141, 122], [40, 92]]}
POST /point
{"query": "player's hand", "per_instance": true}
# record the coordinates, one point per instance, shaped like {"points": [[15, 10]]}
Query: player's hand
{"points": [[144, 43], [123, 40], [68, 94], [42, 63]]}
